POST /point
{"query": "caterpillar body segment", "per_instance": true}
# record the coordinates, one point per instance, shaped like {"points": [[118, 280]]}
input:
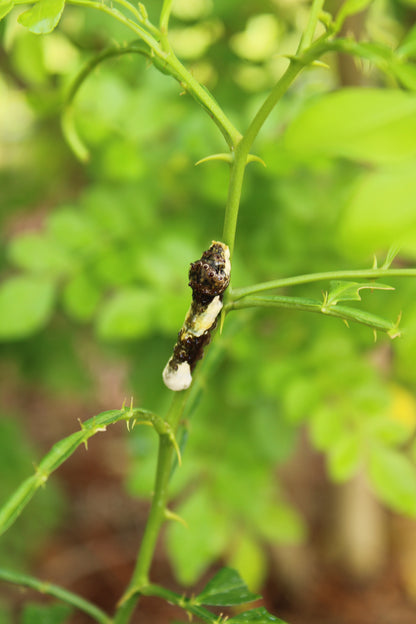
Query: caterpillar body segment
{"points": [[208, 278]]}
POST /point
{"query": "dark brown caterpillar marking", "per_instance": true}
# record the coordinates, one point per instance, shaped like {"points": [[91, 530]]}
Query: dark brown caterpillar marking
{"points": [[208, 278]]}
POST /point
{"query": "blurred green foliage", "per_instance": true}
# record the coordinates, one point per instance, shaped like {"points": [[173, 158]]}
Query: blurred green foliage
{"points": [[99, 254]]}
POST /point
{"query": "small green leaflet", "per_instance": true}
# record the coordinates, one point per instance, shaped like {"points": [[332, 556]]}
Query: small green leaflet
{"points": [[350, 291], [43, 17], [256, 616], [226, 588]]}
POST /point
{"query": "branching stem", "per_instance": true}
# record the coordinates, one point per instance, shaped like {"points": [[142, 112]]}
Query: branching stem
{"points": [[238, 293]]}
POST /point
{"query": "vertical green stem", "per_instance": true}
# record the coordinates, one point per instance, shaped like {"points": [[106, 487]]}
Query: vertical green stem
{"points": [[238, 167], [140, 577], [307, 37], [242, 151]]}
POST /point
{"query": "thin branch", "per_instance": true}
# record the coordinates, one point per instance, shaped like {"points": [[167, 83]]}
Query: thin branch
{"points": [[57, 592], [308, 35], [238, 293], [311, 305], [63, 449]]}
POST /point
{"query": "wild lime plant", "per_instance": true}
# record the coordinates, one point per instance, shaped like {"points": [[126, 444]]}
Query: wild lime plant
{"points": [[153, 42]]}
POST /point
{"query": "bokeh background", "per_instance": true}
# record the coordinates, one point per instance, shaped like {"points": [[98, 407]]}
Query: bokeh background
{"points": [[299, 467]]}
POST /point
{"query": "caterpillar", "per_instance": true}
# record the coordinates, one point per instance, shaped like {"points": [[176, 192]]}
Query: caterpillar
{"points": [[208, 277]]}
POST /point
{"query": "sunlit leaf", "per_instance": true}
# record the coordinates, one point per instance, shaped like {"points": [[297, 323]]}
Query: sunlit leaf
{"points": [[128, 314], [5, 8], [381, 210], [81, 296], [192, 550], [25, 306], [393, 477], [37, 253], [373, 125], [350, 291], [43, 17], [344, 457]]}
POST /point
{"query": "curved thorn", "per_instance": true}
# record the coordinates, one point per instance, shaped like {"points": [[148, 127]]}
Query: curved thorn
{"points": [[170, 515], [254, 158], [228, 158]]}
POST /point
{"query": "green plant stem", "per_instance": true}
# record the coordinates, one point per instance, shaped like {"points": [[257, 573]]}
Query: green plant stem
{"points": [[61, 451], [244, 145], [243, 149], [307, 38], [57, 592], [136, 28], [165, 15], [310, 305], [238, 293], [157, 514]]}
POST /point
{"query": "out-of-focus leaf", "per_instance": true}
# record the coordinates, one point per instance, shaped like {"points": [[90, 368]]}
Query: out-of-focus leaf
{"points": [[393, 477], [36, 252], [81, 296], [344, 457], [45, 614], [25, 306], [43, 17], [128, 314], [381, 211], [5, 8], [350, 291], [370, 125], [326, 428], [227, 588], [281, 523], [73, 230], [192, 550], [249, 557]]}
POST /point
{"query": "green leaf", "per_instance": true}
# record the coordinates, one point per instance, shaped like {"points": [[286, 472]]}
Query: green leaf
{"points": [[350, 291], [5, 8], [391, 254], [256, 616], [192, 550], [281, 523], [249, 556], [408, 46], [25, 306], [43, 17], [225, 589], [73, 230], [326, 428], [344, 457], [371, 125], [393, 477], [35, 252], [45, 614], [81, 296], [128, 314], [349, 7], [381, 210]]}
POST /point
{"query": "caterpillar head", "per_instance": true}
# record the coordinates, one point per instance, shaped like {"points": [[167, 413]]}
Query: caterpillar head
{"points": [[210, 276]]}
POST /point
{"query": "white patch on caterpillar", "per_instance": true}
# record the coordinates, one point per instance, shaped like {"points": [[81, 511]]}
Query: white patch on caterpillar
{"points": [[197, 325], [179, 379]]}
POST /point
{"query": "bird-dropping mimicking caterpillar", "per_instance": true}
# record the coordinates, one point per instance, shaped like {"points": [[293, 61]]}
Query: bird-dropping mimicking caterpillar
{"points": [[208, 278]]}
